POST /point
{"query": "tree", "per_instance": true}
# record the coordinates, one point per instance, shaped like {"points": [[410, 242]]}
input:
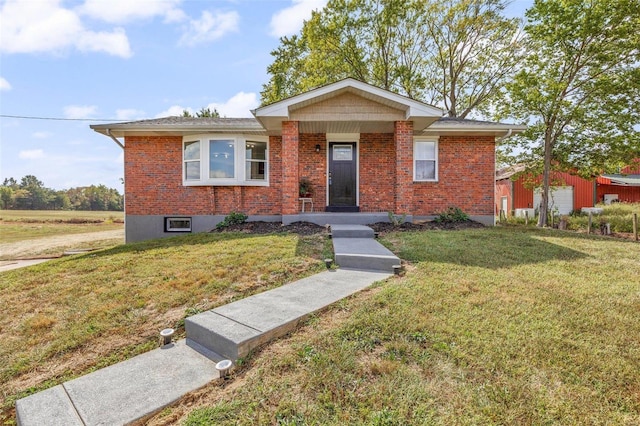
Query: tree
{"points": [[455, 54], [579, 88], [204, 112]]}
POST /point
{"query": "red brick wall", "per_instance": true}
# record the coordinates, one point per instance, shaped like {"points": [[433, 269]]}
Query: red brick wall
{"points": [[466, 171], [153, 183], [403, 138], [153, 177], [290, 178], [377, 172], [312, 166]]}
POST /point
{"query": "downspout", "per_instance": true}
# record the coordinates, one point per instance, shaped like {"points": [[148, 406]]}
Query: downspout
{"points": [[114, 138], [506, 135]]}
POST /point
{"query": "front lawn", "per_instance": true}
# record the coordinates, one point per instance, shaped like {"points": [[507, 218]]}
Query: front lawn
{"points": [[69, 316], [492, 326]]}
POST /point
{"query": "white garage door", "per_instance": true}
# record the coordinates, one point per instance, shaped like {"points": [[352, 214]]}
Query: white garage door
{"points": [[560, 199]]}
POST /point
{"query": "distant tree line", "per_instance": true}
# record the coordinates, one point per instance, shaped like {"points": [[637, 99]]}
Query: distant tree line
{"points": [[31, 194]]}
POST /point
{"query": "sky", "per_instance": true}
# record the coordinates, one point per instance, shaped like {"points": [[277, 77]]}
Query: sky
{"points": [[127, 60]]}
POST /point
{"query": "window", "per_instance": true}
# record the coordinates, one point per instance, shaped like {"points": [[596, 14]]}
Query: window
{"points": [[192, 160], [177, 224], [256, 160], [221, 159], [425, 160], [225, 160]]}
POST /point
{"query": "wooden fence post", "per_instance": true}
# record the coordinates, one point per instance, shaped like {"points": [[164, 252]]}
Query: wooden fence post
{"points": [[526, 217], [590, 222], [635, 226]]}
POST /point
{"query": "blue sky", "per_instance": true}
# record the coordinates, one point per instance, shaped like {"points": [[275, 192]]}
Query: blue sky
{"points": [[127, 60]]}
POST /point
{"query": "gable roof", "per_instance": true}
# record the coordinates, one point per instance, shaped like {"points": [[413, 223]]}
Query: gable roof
{"points": [[271, 116], [347, 106]]}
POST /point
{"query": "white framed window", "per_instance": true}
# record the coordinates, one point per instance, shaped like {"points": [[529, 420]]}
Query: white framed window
{"points": [[225, 160], [425, 160], [191, 155], [255, 160]]}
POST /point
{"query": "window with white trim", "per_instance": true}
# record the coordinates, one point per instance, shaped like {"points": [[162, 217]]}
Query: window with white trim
{"points": [[225, 160], [425, 160]]}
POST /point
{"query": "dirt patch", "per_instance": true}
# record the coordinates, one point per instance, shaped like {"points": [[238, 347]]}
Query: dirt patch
{"points": [[45, 247], [300, 228], [306, 228]]}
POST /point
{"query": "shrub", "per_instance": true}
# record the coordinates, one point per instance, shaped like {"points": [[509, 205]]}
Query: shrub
{"points": [[232, 218], [452, 215], [396, 220]]}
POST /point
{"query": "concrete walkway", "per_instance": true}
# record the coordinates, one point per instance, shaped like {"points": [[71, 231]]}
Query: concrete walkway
{"points": [[136, 388]]}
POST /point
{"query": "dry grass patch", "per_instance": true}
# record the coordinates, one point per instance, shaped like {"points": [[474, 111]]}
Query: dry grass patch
{"points": [[68, 316]]}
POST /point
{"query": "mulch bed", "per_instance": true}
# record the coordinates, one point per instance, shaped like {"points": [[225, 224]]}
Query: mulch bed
{"points": [[306, 228]]}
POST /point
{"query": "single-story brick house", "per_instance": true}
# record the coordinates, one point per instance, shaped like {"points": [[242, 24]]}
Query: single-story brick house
{"points": [[365, 152], [517, 191]]}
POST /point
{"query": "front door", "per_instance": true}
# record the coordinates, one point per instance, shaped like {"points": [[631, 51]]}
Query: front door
{"points": [[342, 177]]}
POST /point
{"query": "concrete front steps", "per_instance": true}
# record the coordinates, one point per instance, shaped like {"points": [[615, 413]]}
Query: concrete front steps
{"points": [[235, 329], [355, 247]]}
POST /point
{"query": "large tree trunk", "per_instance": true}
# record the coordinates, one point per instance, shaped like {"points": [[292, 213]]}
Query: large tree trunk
{"points": [[543, 218]]}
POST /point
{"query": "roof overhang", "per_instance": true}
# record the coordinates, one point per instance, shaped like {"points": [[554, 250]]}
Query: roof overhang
{"points": [[423, 115], [619, 180], [471, 128], [157, 128]]}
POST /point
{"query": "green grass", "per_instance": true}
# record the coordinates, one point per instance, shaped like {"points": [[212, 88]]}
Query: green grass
{"points": [[68, 316], [22, 225], [493, 326], [73, 216]]}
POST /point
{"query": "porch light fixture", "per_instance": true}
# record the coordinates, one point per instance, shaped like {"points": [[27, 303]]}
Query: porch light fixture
{"points": [[317, 147]]}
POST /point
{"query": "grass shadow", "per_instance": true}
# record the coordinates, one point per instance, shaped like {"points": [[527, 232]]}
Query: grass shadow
{"points": [[492, 248]]}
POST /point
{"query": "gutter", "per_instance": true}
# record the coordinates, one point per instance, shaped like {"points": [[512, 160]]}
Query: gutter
{"points": [[506, 135], [114, 138]]}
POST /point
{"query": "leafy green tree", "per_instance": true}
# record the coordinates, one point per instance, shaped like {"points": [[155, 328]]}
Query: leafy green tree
{"points": [[204, 112], [455, 54], [6, 196], [578, 89], [38, 195]]}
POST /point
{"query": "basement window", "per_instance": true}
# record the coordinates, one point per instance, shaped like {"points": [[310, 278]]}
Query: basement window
{"points": [[177, 224]]}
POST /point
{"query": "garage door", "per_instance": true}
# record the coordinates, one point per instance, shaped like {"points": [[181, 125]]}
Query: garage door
{"points": [[560, 200]]}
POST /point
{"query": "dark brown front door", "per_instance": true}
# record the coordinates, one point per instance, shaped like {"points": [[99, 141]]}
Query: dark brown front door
{"points": [[342, 177]]}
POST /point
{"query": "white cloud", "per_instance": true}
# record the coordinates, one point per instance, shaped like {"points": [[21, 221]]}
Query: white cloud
{"points": [[210, 27], [45, 26], [80, 111], [240, 105], [129, 114], [4, 84], [41, 135], [31, 154], [173, 111], [124, 11], [289, 21]]}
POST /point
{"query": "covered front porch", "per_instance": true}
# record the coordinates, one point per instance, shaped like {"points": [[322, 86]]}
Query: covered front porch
{"points": [[353, 144]]}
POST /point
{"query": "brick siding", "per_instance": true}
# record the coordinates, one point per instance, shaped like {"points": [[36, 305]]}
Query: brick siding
{"points": [[466, 171], [153, 176]]}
